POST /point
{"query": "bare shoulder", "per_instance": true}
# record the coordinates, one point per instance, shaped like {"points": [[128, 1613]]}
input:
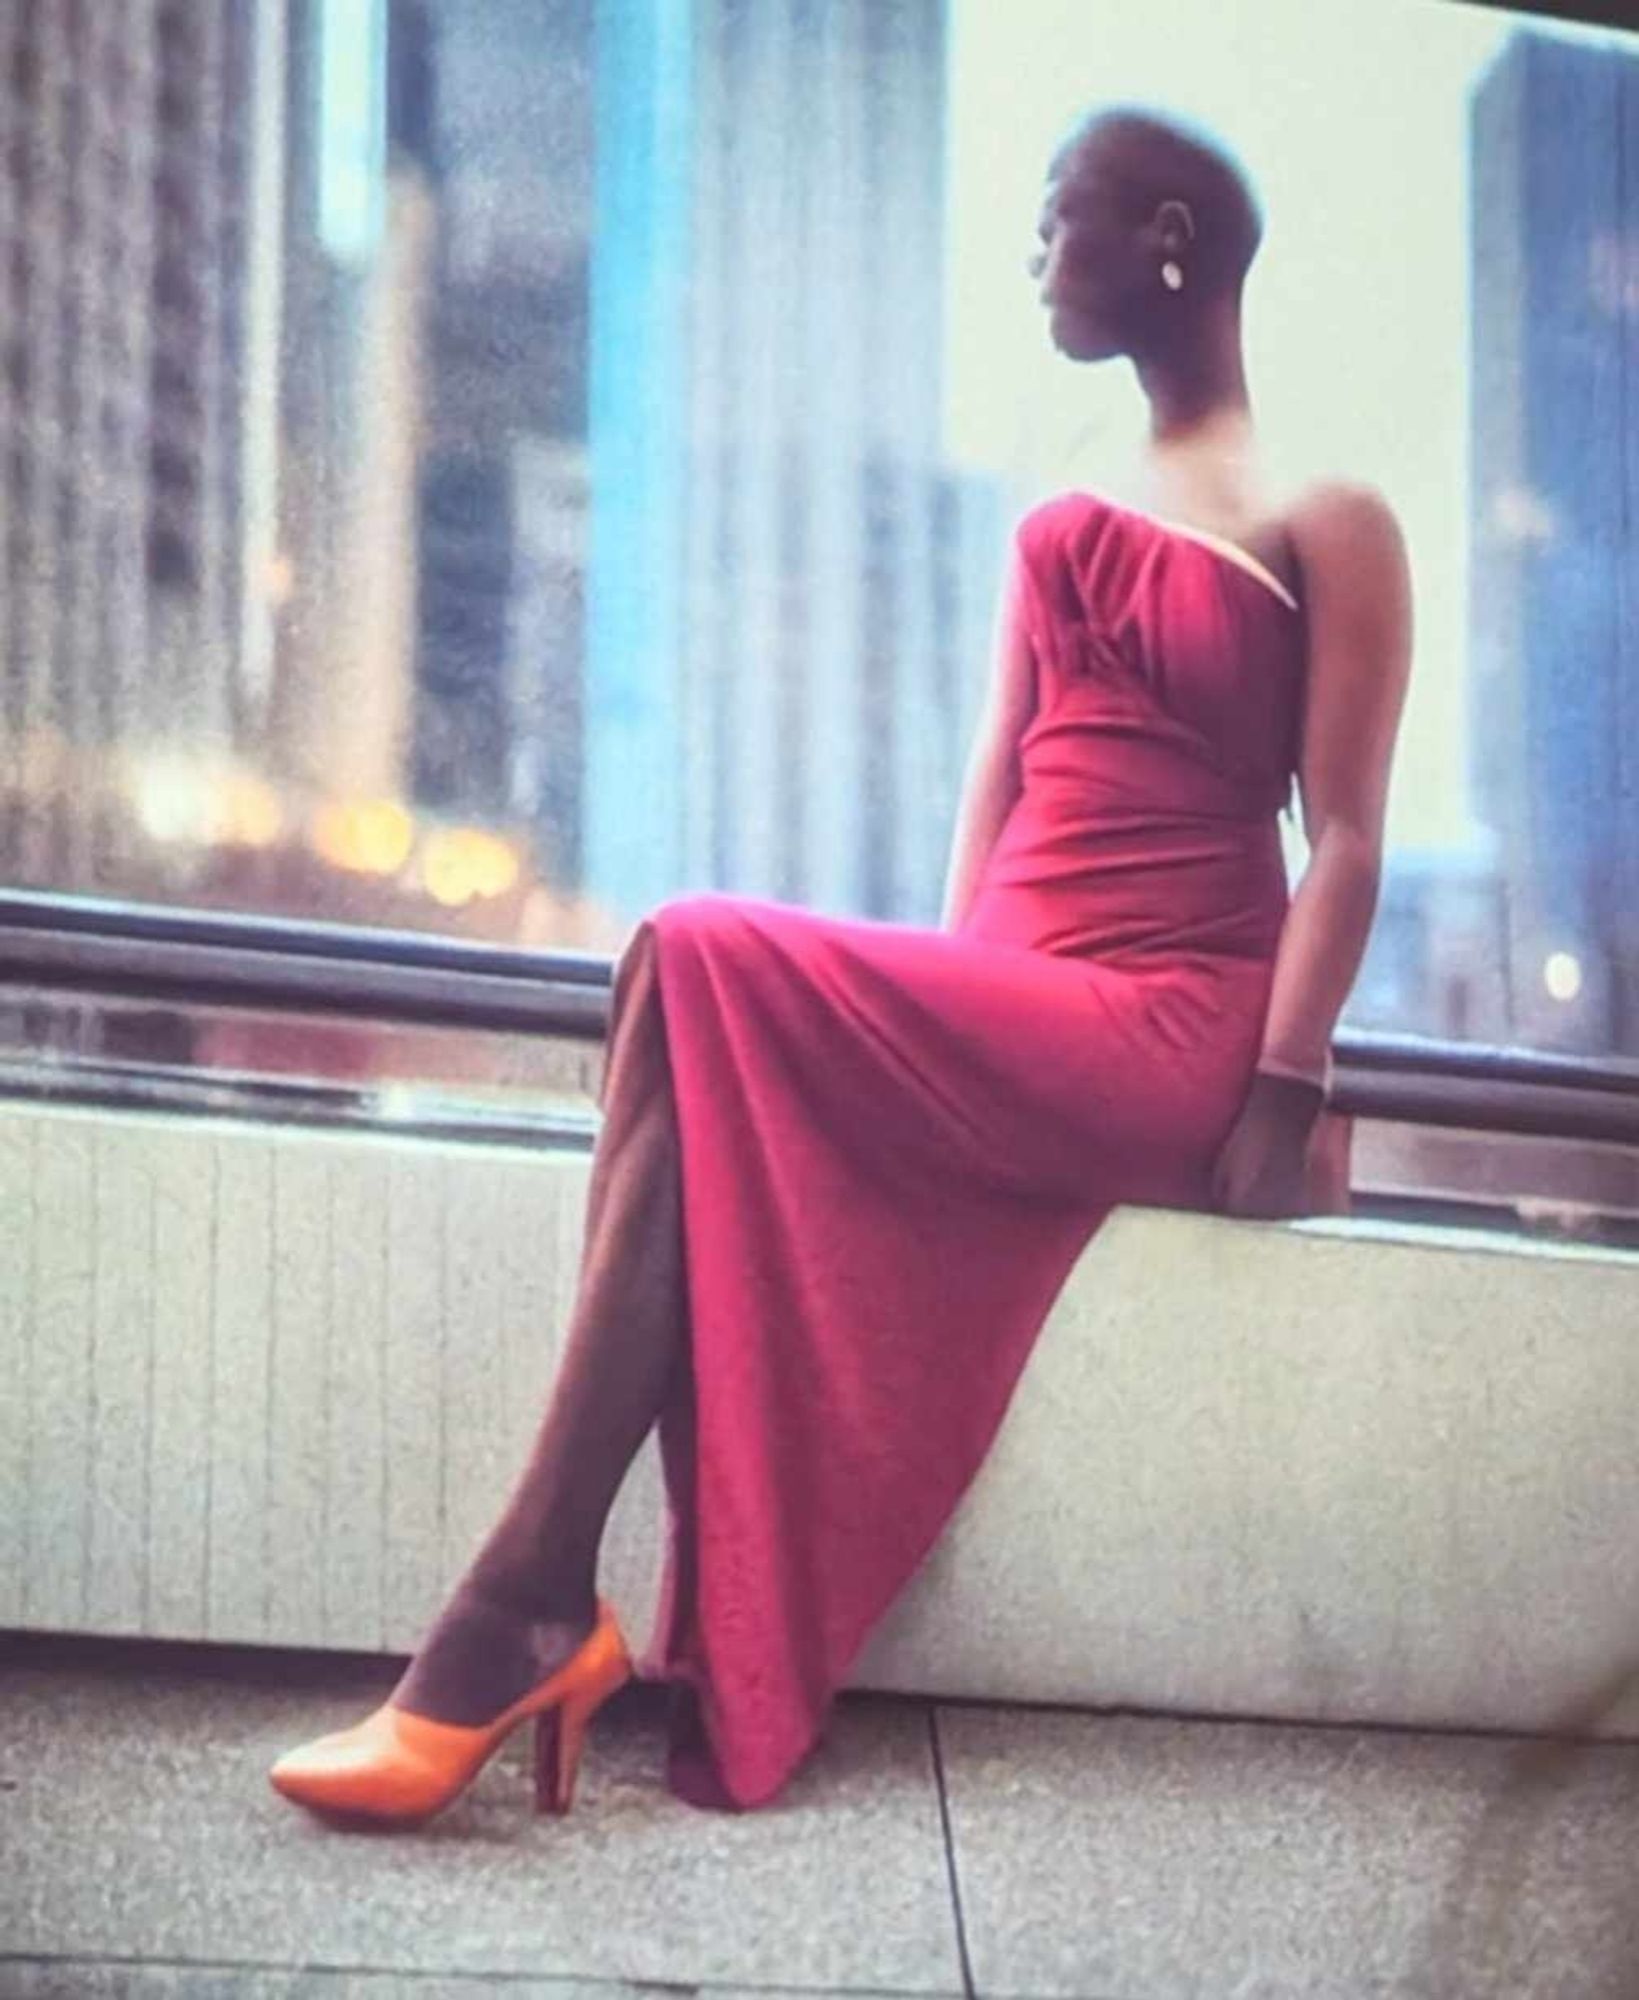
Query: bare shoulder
{"points": [[1346, 523], [1357, 589]]}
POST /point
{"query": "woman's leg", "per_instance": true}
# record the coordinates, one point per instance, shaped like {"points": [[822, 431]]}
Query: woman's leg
{"points": [[528, 1598]]}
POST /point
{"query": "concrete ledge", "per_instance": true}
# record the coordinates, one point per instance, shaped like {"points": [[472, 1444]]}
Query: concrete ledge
{"points": [[1323, 1471], [270, 1386]]}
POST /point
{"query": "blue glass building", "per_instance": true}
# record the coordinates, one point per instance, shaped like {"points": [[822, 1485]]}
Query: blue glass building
{"points": [[1555, 527]]}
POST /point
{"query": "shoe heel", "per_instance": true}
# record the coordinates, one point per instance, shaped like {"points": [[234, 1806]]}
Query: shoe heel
{"points": [[560, 1733], [560, 1730]]}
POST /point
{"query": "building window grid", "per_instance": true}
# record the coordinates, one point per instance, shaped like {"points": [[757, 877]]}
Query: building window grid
{"points": [[122, 237]]}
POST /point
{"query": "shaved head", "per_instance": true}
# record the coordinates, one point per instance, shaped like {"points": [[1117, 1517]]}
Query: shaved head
{"points": [[1146, 158]]}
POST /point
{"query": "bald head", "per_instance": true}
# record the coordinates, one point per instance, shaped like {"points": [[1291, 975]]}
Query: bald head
{"points": [[1146, 158]]}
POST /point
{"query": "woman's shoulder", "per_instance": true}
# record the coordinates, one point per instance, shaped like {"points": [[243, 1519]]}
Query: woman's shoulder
{"points": [[1053, 525], [1348, 543], [1335, 511], [1067, 503], [1357, 580]]}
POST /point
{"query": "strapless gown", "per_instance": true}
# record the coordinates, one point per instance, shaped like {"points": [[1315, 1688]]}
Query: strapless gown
{"points": [[897, 1140]]}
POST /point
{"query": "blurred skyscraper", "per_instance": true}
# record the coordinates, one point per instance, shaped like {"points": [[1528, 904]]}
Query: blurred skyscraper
{"points": [[1555, 528], [361, 222], [503, 496], [1433, 965], [790, 594], [140, 249]]}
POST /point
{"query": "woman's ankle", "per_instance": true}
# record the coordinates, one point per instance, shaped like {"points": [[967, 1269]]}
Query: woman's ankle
{"points": [[482, 1653], [541, 1600]]}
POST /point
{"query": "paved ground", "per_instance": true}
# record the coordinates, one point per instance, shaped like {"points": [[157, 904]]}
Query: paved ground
{"points": [[925, 1849]]}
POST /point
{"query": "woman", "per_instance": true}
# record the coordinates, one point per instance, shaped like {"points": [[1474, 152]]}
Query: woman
{"points": [[845, 1166]]}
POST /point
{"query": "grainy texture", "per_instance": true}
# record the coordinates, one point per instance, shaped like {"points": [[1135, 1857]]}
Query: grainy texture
{"points": [[1188, 1861], [139, 1824], [270, 1385]]}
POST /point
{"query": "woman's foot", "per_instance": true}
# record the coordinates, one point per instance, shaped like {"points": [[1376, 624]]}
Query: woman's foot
{"points": [[483, 1654], [401, 1766]]}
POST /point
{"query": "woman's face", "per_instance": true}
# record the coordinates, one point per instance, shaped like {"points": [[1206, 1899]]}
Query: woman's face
{"points": [[1093, 279]]}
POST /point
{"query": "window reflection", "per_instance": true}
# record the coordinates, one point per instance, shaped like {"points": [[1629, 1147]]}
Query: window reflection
{"points": [[139, 1055], [487, 469]]}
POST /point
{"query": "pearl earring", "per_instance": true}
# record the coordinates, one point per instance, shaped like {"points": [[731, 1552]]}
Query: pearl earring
{"points": [[1172, 276]]}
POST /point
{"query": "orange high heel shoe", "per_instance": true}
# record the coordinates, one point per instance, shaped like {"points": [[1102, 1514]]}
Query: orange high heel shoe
{"points": [[403, 1768]]}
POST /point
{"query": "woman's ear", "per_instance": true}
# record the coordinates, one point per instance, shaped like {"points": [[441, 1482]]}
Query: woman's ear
{"points": [[1174, 226]]}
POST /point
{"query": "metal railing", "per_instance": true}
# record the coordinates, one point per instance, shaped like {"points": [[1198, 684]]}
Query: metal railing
{"points": [[138, 952]]}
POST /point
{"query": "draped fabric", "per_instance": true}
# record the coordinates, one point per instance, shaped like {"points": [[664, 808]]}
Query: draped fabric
{"points": [[897, 1141]]}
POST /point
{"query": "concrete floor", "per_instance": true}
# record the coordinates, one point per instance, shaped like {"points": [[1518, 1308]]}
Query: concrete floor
{"points": [[926, 1848]]}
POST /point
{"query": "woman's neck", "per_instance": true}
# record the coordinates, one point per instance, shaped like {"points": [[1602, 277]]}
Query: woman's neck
{"points": [[1201, 457], [1195, 381]]}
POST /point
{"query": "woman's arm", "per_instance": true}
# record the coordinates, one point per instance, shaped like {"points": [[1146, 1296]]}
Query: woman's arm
{"points": [[993, 779], [1357, 589]]}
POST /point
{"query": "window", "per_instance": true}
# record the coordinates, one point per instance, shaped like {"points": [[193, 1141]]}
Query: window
{"points": [[485, 470]]}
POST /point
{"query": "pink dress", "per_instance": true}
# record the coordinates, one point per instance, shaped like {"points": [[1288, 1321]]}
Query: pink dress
{"points": [[897, 1141]]}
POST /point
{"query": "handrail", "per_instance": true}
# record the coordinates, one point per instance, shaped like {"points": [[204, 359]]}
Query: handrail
{"points": [[214, 958], [137, 951]]}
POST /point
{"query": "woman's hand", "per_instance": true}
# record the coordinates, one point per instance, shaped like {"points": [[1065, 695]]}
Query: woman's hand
{"points": [[1260, 1169]]}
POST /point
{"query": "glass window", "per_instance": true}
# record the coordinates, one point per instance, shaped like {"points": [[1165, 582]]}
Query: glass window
{"points": [[488, 469]]}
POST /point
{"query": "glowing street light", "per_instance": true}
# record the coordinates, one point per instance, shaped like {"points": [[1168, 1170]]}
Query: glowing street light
{"points": [[1562, 975]]}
